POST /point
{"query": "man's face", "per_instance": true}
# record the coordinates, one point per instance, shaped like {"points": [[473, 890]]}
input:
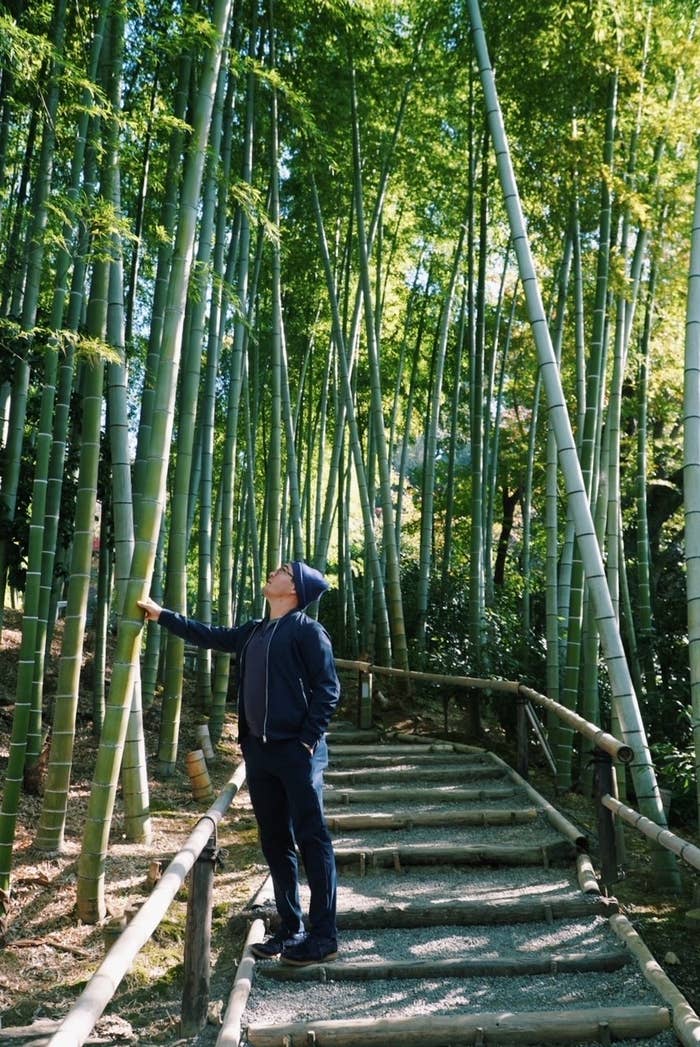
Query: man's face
{"points": [[280, 582]]}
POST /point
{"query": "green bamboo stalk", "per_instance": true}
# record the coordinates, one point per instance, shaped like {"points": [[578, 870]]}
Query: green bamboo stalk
{"points": [[179, 532], [393, 579], [381, 614], [691, 472], [167, 221], [644, 612], [134, 772], [53, 814], [91, 866], [622, 690], [590, 432], [425, 554], [477, 319]]}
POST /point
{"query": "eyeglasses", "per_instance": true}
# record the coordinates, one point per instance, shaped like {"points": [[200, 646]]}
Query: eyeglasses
{"points": [[287, 570]]}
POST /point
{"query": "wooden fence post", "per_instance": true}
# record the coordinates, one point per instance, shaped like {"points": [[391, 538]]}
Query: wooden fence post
{"points": [[365, 700], [197, 958], [604, 785]]}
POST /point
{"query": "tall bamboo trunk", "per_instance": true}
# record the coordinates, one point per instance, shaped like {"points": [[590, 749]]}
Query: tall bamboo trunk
{"points": [[179, 531], [623, 694], [425, 556], [393, 580], [691, 472], [91, 866]]}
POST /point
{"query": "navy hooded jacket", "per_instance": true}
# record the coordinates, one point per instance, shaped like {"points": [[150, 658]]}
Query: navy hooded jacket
{"points": [[302, 688]]}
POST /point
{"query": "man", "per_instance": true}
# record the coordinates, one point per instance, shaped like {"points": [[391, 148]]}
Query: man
{"points": [[287, 691]]}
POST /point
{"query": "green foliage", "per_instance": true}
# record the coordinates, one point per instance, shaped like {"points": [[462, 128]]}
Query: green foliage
{"points": [[674, 759]]}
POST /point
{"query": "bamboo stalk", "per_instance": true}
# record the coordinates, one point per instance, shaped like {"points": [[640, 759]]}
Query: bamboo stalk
{"points": [[533, 1027], [618, 749], [230, 1031], [446, 816], [515, 965], [467, 913], [664, 837], [588, 881], [555, 817], [686, 1022]]}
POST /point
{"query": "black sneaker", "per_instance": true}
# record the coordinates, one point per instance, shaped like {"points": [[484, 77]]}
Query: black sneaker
{"points": [[274, 944], [311, 950]]}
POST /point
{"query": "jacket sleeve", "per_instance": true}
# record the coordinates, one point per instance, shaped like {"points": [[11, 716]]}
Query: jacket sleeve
{"points": [[217, 637], [324, 686]]}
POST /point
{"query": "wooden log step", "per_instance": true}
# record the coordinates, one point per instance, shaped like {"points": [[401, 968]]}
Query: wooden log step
{"points": [[477, 913], [344, 797], [414, 751], [601, 1024], [458, 773], [513, 965], [444, 816], [390, 794], [349, 737], [447, 854], [419, 740], [353, 756]]}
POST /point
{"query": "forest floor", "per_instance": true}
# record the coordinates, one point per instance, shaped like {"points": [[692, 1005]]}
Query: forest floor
{"points": [[49, 954]]}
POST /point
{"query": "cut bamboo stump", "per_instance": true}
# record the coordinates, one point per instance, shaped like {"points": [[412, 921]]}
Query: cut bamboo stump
{"points": [[535, 1027], [515, 965], [202, 789]]}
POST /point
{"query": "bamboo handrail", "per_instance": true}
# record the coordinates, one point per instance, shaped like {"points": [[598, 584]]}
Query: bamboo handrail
{"points": [[80, 1019], [602, 739], [685, 1021], [660, 835]]}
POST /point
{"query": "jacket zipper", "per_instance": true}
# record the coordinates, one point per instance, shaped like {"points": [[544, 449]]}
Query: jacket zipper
{"points": [[267, 679]]}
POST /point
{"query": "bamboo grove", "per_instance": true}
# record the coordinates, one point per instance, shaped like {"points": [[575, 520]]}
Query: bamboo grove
{"points": [[407, 288]]}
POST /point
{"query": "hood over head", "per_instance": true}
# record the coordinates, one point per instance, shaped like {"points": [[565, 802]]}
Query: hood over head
{"points": [[309, 583]]}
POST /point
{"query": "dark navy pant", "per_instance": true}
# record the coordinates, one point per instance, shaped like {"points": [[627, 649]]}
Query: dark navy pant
{"points": [[285, 783]]}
